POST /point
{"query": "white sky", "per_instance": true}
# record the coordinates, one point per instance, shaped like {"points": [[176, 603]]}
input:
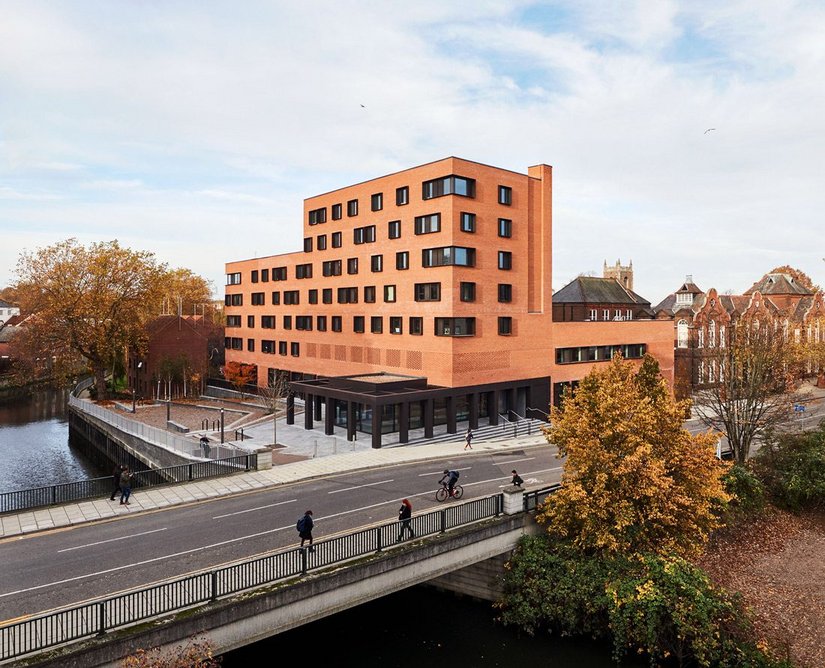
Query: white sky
{"points": [[195, 129]]}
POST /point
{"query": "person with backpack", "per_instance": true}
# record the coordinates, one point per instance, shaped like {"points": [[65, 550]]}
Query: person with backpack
{"points": [[451, 478], [517, 480], [304, 527], [404, 515]]}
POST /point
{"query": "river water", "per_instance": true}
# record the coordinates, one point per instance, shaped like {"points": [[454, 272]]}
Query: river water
{"points": [[412, 628]]}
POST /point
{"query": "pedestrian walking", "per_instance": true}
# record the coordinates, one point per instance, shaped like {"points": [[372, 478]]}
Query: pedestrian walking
{"points": [[116, 480], [517, 481], [304, 527], [125, 486], [205, 446], [468, 439], [404, 514]]}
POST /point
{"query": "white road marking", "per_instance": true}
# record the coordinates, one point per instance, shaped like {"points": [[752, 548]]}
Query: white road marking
{"points": [[110, 540], [424, 475], [250, 510], [369, 484], [515, 461]]}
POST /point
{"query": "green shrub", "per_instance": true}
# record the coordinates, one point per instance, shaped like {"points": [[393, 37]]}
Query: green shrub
{"points": [[746, 490], [792, 468]]}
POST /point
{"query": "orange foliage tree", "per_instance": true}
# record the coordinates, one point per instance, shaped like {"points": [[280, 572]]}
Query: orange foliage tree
{"points": [[240, 375]]}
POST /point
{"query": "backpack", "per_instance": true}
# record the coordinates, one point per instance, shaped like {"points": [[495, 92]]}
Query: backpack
{"points": [[455, 475], [301, 524]]}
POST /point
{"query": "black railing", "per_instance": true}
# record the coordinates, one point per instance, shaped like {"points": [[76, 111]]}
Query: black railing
{"points": [[95, 618], [534, 498], [79, 490]]}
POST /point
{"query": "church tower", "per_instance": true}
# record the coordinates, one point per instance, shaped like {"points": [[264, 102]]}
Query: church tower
{"points": [[621, 273]]}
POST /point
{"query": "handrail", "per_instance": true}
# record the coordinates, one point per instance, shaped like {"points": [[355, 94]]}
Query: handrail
{"points": [[538, 410], [36, 634]]}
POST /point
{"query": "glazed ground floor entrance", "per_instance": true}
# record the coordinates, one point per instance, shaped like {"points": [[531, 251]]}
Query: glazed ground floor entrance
{"points": [[385, 403]]}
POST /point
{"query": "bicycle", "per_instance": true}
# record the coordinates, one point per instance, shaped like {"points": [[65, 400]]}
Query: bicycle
{"points": [[443, 494]]}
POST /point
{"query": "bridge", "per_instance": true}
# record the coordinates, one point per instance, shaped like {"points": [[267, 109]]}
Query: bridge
{"points": [[244, 602]]}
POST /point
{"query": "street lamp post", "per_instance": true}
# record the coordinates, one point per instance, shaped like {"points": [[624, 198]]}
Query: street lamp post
{"points": [[221, 425], [134, 386]]}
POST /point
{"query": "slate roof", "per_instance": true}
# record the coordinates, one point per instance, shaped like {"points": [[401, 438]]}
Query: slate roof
{"points": [[778, 284], [592, 290]]}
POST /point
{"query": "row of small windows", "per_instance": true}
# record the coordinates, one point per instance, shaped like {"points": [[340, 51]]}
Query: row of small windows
{"points": [[618, 314], [422, 292], [599, 353]]}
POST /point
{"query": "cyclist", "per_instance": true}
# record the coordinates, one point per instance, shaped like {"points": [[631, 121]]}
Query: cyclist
{"points": [[451, 478]]}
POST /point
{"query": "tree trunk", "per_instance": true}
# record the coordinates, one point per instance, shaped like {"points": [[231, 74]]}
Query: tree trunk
{"points": [[100, 382]]}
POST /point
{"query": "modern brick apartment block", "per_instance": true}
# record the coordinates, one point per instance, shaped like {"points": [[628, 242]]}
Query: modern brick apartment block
{"points": [[420, 297]]}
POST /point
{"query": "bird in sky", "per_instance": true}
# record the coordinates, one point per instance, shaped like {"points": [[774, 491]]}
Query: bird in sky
{"points": [[706, 131], [363, 107]]}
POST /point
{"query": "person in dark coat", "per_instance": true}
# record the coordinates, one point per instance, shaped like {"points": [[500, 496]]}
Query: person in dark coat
{"points": [[116, 479], [517, 481], [305, 531], [205, 446], [468, 438], [125, 485], [404, 515]]}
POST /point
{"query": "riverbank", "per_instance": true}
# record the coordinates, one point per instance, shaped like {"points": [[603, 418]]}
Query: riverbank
{"points": [[777, 564]]}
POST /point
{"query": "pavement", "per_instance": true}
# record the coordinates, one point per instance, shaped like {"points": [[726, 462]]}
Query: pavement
{"points": [[313, 455]]}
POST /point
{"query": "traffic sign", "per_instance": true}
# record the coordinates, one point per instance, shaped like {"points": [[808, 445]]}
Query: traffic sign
{"points": [[799, 408]]}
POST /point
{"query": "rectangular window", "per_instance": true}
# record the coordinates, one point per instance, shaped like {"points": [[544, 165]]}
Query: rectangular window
{"points": [[628, 314], [336, 212], [268, 322], [295, 349], [336, 240], [234, 300], [258, 299], [267, 347], [282, 347], [276, 298], [505, 260], [233, 321], [347, 295], [321, 242], [331, 268], [264, 275], [307, 244], [448, 185], [336, 323], [352, 265], [416, 326], [389, 293], [254, 275], [292, 297], [467, 291], [468, 222], [448, 255], [505, 326], [303, 271], [377, 202], [427, 292], [455, 326], [278, 273], [505, 292], [352, 208], [358, 324], [594, 314], [313, 296], [321, 323], [396, 324], [364, 235], [369, 294], [233, 279], [317, 216], [250, 321], [428, 224], [377, 263], [402, 260], [505, 227], [303, 322], [394, 229], [326, 295], [376, 324], [505, 195], [287, 322], [402, 196], [606, 314], [237, 343]]}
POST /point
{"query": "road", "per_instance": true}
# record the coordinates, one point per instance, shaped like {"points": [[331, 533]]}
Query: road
{"points": [[63, 567]]}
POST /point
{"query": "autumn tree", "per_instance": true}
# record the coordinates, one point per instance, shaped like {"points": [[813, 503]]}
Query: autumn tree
{"points": [[184, 292], [88, 302], [240, 375], [799, 276], [634, 481], [754, 375]]}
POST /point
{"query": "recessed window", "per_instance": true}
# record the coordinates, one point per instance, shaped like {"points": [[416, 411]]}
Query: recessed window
{"points": [[377, 202], [287, 322], [321, 242], [267, 322], [336, 323], [326, 295], [416, 326], [336, 212], [505, 326], [396, 323], [321, 323], [233, 279], [331, 268], [295, 349], [389, 293], [448, 185], [505, 260], [278, 273], [233, 300], [505, 195], [303, 322], [276, 298], [448, 255], [427, 292], [237, 343], [258, 299], [364, 235], [352, 208], [402, 196], [428, 224], [336, 240], [358, 324], [254, 275], [313, 296], [376, 324], [233, 321], [467, 291], [264, 275], [455, 326], [317, 216], [303, 271], [377, 263], [267, 347], [282, 347], [250, 321], [347, 295], [468, 222], [352, 265], [250, 345], [308, 245], [292, 297], [369, 294], [402, 260], [394, 229], [505, 293], [505, 227]]}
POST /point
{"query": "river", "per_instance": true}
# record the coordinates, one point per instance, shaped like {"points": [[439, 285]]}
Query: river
{"points": [[412, 628]]}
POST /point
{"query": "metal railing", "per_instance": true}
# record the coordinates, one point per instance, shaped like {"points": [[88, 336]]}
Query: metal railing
{"points": [[97, 617], [537, 410], [91, 488]]}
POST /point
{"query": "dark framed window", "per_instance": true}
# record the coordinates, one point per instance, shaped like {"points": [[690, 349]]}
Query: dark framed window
{"points": [[467, 222], [377, 263], [505, 195], [427, 292], [264, 275], [250, 345], [505, 326], [352, 265], [295, 349], [505, 292], [303, 322], [337, 212], [377, 324], [331, 268], [455, 326], [287, 322], [233, 279], [321, 323], [267, 347], [377, 202], [303, 271], [352, 208], [448, 185], [416, 326], [402, 260], [254, 275], [307, 244], [389, 294], [321, 242], [278, 273], [267, 322], [364, 235], [428, 224], [448, 255], [505, 260], [347, 295], [505, 227], [396, 324], [358, 324], [292, 297], [282, 347], [336, 240], [402, 195], [337, 324], [237, 343], [233, 300], [369, 294], [326, 295], [276, 298], [317, 216], [250, 321], [313, 296], [394, 229], [258, 299], [233, 321], [467, 291]]}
